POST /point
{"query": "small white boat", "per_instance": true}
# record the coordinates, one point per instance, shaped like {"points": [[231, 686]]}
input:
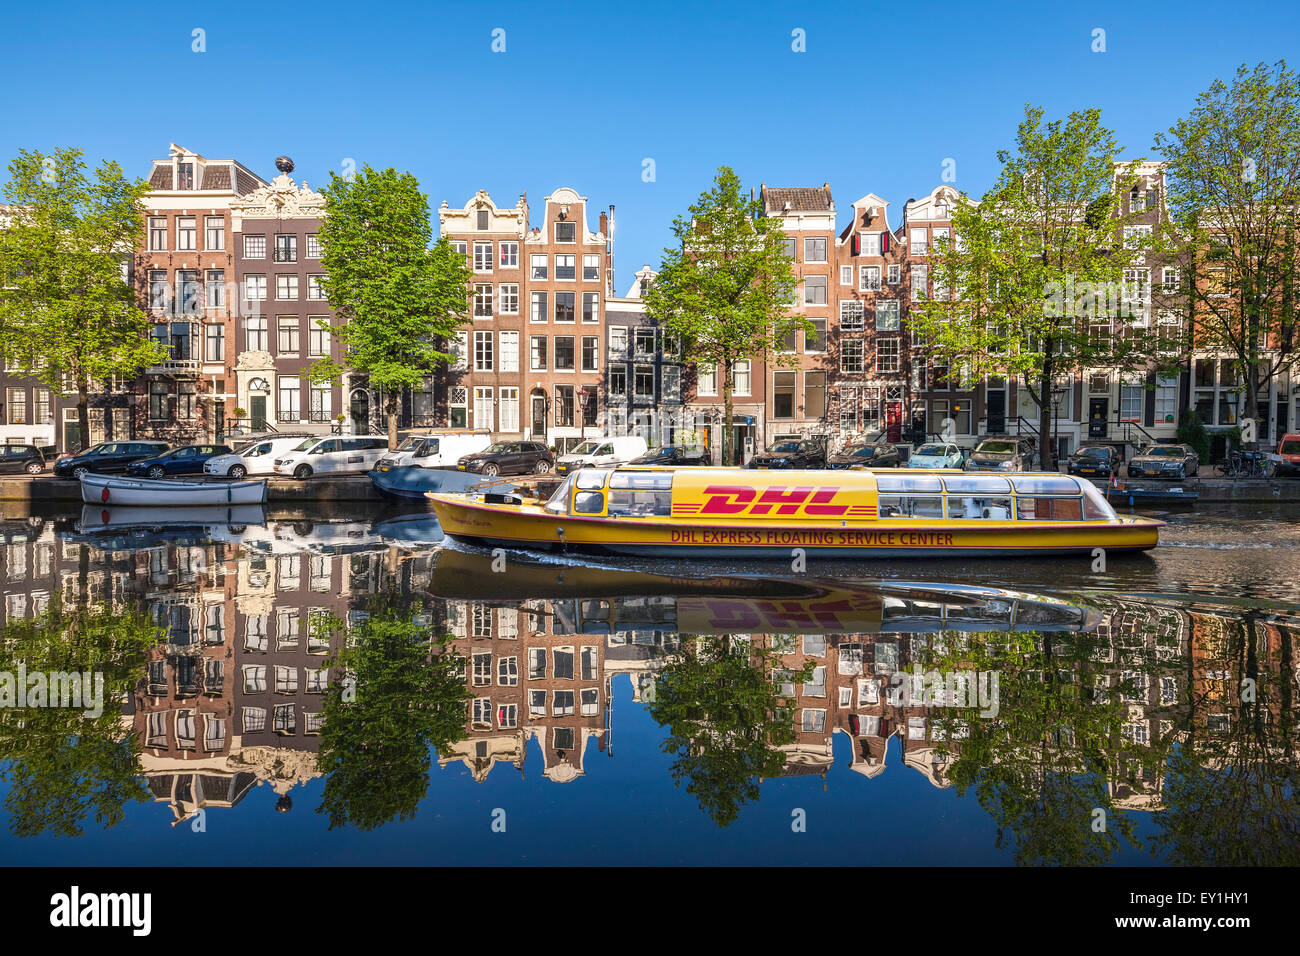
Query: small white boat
{"points": [[175, 492]]}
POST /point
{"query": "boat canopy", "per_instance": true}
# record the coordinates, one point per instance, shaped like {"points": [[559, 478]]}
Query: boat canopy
{"points": [[938, 495]]}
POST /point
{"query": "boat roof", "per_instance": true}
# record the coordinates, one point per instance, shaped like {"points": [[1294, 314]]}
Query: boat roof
{"points": [[886, 480]]}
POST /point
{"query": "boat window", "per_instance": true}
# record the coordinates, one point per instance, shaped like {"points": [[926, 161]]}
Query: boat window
{"points": [[907, 484], [911, 506], [1095, 506], [977, 485], [655, 480], [590, 479], [1049, 509], [559, 501], [641, 504], [588, 503], [979, 507], [1045, 485]]}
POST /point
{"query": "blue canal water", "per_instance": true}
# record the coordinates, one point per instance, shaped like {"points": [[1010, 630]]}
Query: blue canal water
{"points": [[234, 746]]}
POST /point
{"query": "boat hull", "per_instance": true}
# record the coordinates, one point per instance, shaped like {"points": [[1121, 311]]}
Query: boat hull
{"points": [[412, 483], [531, 528], [116, 490]]}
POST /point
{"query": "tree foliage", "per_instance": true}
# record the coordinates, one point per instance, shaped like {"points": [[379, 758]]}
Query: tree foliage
{"points": [[396, 299], [1032, 284], [68, 312], [1234, 193], [724, 291]]}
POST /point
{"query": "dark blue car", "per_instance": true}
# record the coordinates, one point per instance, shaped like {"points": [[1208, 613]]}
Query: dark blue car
{"points": [[186, 460]]}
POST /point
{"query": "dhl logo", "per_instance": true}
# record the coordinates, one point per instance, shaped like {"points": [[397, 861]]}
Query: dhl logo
{"points": [[777, 500]]}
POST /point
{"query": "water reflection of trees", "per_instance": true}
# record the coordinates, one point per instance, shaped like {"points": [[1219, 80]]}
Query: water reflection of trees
{"points": [[726, 720], [65, 767], [401, 697], [1142, 719]]}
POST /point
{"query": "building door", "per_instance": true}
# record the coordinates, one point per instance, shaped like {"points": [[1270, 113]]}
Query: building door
{"points": [[257, 407], [218, 419], [73, 437], [894, 421], [1098, 411], [996, 409], [538, 416], [360, 412]]}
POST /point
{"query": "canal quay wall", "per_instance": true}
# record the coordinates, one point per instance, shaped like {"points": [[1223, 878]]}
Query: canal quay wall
{"points": [[356, 488]]}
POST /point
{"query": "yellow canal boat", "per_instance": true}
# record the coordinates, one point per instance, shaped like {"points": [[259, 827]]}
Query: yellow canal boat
{"points": [[734, 513]]}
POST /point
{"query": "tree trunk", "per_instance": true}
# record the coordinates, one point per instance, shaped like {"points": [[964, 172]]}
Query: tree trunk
{"points": [[1046, 458], [83, 415], [390, 409], [726, 411], [1250, 406]]}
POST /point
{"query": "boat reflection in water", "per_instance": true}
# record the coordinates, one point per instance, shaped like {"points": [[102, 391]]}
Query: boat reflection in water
{"points": [[229, 641]]}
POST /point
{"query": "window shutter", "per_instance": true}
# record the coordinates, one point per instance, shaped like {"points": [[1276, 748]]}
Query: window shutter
{"points": [[857, 244], [884, 242]]}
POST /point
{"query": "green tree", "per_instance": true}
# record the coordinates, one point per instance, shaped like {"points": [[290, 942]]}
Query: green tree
{"points": [[725, 720], [1234, 193], [1033, 282], [65, 766], [67, 309], [401, 697], [396, 299], [725, 290]]}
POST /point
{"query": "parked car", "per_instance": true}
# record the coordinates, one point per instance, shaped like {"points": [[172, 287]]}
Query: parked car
{"points": [[335, 455], [252, 458], [1165, 461], [185, 460], [1101, 460], [1288, 451], [435, 449], [107, 458], [16, 459], [602, 453], [1003, 454], [938, 455], [675, 455], [880, 454], [792, 453], [509, 458]]}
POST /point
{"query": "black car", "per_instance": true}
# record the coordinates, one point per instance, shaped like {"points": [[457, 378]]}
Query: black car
{"points": [[675, 455], [25, 459], [107, 457], [792, 453], [1102, 460], [509, 458], [879, 454], [186, 460], [1174, 462], [1003, 454]]}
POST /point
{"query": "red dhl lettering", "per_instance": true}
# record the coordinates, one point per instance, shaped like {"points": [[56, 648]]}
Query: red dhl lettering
{"points": [[735, 499]]}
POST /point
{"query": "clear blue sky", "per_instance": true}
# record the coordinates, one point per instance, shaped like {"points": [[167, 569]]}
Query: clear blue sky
{"points": [[586, 91]]}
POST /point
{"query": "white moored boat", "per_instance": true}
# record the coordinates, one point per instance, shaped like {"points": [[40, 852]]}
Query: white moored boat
{"points": [[177, 492]]}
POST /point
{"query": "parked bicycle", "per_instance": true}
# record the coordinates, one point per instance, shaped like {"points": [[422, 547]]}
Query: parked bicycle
{"points": [[1246, 464]]}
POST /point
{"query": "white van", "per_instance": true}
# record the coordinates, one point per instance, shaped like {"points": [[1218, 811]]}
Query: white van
{"points": [[435, 450], [602, 452], [252, 458], [332, 455]]}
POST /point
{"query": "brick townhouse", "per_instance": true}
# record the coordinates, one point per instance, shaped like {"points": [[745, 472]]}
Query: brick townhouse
{"points": [[279, 275], [186, 275], [532, 364]]}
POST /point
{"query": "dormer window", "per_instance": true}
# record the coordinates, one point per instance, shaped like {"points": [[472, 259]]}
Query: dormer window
{"points": [[482, 219], [184, 175]]}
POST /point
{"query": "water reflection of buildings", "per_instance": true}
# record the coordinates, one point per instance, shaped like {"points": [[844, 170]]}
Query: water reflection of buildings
{"points": [[232, 697]]}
